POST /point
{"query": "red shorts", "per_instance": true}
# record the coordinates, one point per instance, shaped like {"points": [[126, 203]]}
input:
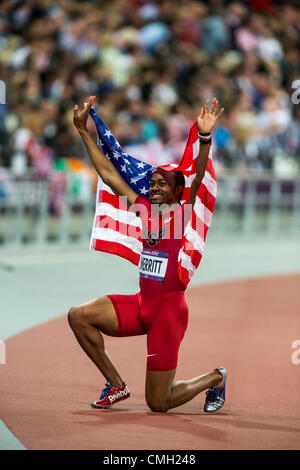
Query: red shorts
{"points": [[163, 318]]}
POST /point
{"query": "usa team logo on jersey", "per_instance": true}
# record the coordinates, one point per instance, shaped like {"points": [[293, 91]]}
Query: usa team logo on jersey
{"points": [[153, 238]]}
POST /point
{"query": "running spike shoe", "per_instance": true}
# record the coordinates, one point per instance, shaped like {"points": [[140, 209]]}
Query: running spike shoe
{"points": [[111, 395], [215, 397]]}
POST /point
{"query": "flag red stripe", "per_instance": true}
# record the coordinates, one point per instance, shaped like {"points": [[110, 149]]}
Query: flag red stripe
{"points": [[206, 198], [194, 255], [186, 194], [112, 199], [116, 249], [210, 168], [183, 274], [198, 225], [105, 221]]}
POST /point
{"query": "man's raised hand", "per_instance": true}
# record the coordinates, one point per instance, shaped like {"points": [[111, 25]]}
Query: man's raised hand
{"points": [[80, 118], [208, 116]]}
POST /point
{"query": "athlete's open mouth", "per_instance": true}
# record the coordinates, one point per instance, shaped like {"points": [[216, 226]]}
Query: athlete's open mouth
{"points": [[156, 195]]}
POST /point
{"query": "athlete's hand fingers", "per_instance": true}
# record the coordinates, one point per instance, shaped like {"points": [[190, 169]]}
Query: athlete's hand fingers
{"points": [[80, 118], [212, 106], [218, 115], [90, 103], [215, 110], [86, 107], [206, 106]]}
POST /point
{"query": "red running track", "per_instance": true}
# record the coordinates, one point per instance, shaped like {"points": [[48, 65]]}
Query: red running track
{"points": [[247, 326]]}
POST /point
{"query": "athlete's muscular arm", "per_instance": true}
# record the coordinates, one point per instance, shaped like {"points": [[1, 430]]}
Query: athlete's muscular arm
{"points": [[205, 122], [103, 166]]}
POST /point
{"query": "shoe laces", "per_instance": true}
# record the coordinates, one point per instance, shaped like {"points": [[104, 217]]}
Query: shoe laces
{"points": [[105, 391]]}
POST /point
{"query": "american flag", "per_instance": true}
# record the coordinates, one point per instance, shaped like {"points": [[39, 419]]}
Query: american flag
{"points": [[118, 230]]}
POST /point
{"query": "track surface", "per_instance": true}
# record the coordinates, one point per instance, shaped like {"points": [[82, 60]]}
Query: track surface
{"points": [[247, 326]]}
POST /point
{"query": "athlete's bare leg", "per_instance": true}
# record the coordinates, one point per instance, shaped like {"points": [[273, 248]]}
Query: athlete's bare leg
{"points": [[87, 322], [162, 393]]}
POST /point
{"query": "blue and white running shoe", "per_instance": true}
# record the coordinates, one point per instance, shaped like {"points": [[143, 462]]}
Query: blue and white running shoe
{"points": [[215, 397]]}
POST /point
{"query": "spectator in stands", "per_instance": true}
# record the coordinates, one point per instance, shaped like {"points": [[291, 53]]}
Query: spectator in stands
{"points": [[146, 60]]}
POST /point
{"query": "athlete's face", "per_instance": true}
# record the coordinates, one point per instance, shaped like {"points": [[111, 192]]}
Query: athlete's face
{"points": [[163, 189]]}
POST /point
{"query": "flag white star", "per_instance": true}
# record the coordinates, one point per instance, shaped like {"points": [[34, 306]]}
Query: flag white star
{"points": [[107, 156], [141, 175], [116, 154], [107, 133], [132, 181], [123, 168], [144, 190], [141, 165], [126, 161]]}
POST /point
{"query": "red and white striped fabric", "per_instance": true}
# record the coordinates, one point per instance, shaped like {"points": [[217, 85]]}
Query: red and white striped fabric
{"points": [[195, 232], [118, 230]]}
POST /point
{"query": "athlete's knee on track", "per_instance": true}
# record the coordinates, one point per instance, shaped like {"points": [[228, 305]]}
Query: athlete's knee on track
{"points": [[157, 404], [158, 407]]}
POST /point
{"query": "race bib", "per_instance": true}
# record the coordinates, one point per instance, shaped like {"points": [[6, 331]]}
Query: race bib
{"points": [[153, 264]]}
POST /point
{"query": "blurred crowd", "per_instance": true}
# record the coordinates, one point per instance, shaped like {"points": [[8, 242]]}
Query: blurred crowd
{"points": [[151, 64]]}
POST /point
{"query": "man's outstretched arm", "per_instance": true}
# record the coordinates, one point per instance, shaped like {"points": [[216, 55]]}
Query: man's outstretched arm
{"points": [[206, 122], [103, 166]]}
